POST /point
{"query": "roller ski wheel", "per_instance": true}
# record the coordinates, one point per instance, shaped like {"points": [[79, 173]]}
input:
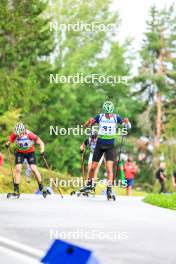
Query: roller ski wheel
{"points": [[83, 194], [13, 195], [111, 197], [78, 194], [45, 193], [86, 191]]}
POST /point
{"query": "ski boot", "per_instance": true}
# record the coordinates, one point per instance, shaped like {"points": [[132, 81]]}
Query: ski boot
{"points": [[16, 193], [110, 195], [43, 190]]}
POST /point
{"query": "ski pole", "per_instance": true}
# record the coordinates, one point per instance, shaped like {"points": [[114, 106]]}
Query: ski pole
{"points": [[119, 160], [82, 166], [120, 151], [10, 162], [47, 166], [83, 159]]}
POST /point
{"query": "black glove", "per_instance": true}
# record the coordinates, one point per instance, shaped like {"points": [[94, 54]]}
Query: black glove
{"points": [[42, 154], [7, 145]]}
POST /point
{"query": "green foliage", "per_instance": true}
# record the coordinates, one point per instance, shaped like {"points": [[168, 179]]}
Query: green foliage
{"points": [[25, 41], [157, 55], [30, 52], [168, 148], [6, 181], [156, 78], [7, 122], [162, 200], [68, 105]]}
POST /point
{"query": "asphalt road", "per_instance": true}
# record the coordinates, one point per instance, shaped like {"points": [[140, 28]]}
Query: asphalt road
{"points": [[127, 231]]}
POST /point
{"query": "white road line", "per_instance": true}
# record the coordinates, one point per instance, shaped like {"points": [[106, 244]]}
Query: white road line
{"points": [[17, 256], [20, 249]]}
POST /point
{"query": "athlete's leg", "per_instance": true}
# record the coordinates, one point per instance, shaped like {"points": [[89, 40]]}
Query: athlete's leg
{"points": [[98, 152], [36, 173], [109, 168], [129, 190], [27, 172], [105, 164], [92, 170], [98, 167], [89, 164], [19, 159], [18, 173], [38, 177], [32, 163], [109, 163]]}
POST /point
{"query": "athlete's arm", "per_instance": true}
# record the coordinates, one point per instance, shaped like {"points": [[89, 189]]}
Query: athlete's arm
{"points": [[41, 145], [126, 123], [82, 147], [90, 122], [38, 141], [123, 121], [11, 139]]}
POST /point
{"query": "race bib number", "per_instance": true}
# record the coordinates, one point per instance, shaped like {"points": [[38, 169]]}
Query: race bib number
{"points": [[107, 130]]}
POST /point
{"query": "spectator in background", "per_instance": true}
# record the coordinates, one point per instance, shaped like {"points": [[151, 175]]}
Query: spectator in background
{"points": [[27, 171], [161, 177], [1, 160], [130, 170], [174, 180]]}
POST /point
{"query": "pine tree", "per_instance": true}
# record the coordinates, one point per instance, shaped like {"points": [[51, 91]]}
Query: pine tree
{"points": [[156, 79], [25, 45]]}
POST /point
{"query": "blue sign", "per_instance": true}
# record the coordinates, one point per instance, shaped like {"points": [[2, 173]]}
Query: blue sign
{"points": [[62, 252]]}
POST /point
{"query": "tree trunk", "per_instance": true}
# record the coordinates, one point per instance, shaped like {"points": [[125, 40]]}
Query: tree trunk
{"points": [[158, 121], [160, 71]]}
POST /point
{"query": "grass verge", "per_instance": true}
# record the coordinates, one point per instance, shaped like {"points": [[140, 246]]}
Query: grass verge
{"points": [[6, 183], [7, 186], [162, 200]]}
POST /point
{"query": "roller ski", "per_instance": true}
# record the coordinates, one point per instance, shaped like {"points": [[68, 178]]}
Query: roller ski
{"points": [[80, 193], [83, 193], [110, 195], [13, 195], [89, 189], [86, 192]]}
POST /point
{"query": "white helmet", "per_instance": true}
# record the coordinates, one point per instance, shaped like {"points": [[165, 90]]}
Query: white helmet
{"points": [[19, 129]]}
